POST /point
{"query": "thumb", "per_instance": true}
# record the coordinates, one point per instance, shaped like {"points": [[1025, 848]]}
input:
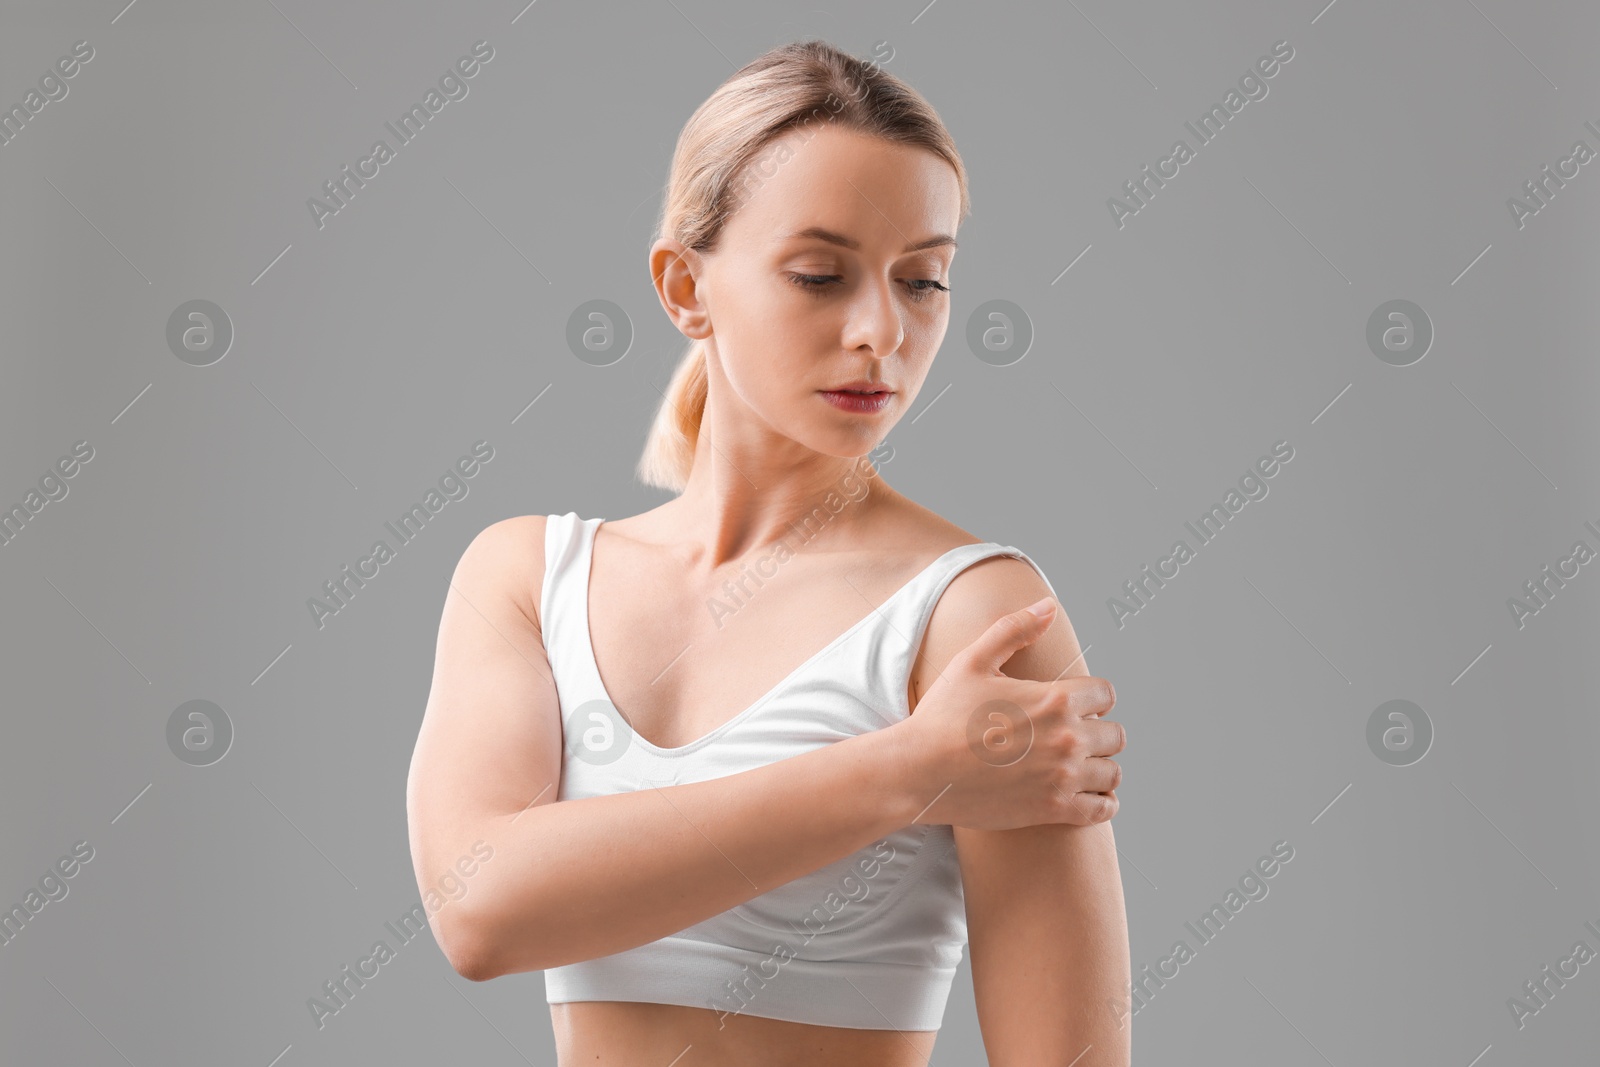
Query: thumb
{"points": [[1008, 634]]}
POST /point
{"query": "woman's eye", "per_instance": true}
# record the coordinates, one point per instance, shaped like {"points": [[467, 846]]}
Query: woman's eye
{"points": [[920, 287]]}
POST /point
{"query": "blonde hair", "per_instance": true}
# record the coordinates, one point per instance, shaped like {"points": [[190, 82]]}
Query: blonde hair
{"points": [[787, 88]]}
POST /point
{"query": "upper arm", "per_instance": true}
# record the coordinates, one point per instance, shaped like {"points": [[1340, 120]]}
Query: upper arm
{"points": [[490, 741], [1046, 924]]}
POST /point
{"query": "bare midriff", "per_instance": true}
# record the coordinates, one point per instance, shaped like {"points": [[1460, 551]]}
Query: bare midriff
{"points": [[629, 1034]]}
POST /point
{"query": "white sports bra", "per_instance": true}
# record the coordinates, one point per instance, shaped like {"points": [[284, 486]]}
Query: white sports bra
{"points": [[871, 941]]}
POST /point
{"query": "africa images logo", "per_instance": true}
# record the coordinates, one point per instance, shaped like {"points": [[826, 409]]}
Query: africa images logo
{"points": [[452, 86]]}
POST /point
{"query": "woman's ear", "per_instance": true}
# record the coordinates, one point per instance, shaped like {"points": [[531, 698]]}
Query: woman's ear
{"points": [[677, 271]]}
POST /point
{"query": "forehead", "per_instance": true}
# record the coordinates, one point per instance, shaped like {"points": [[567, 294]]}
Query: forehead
{"points": [[875, 192]]}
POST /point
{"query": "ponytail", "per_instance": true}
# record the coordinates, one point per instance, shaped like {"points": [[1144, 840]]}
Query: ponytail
{"points": [[669, 450]]}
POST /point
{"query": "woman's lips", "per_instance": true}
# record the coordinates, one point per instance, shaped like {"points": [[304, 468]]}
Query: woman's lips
{"points": [[861, 403]]}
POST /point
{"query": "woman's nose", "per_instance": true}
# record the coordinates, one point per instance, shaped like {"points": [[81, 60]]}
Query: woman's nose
{"points": [[875, 321]]}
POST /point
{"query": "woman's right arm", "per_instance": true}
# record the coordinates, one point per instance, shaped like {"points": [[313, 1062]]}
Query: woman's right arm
{"points": [[595, 875], [592, 876]]}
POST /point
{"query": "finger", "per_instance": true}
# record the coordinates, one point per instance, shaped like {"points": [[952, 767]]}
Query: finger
{"points": [[1087, 695], [1085, 809], [1101, 775], [1008, 634], [1104, 738]]}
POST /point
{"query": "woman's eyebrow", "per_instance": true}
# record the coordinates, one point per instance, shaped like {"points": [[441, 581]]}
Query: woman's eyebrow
{"points": [[820, 234]]}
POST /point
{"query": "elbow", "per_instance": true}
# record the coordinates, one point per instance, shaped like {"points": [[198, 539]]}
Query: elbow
{"points": [[468, 944], [480, 947], [471, 966]]}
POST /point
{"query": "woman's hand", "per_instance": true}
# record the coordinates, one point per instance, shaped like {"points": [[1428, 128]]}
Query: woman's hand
{"points": [[992, 752]]}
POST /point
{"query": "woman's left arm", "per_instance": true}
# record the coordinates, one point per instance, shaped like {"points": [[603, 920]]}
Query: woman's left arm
{"points": [[1046, 926]]}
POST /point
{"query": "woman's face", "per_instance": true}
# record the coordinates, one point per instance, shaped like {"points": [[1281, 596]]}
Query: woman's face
{"points": [[830, 273]]}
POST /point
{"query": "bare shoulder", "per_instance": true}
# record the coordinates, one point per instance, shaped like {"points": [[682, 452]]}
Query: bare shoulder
{"points": [[507, 558], [921, 530], [975, 598]]}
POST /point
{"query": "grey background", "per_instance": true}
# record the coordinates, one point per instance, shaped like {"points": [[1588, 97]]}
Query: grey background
{"points": [[1230, 313]]}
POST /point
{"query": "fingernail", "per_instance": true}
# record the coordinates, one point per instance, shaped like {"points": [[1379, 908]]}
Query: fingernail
{"points": [[1043, 608]]}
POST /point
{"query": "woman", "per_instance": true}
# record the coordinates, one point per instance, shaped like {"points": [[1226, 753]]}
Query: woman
{"points": [[732, 871]]}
